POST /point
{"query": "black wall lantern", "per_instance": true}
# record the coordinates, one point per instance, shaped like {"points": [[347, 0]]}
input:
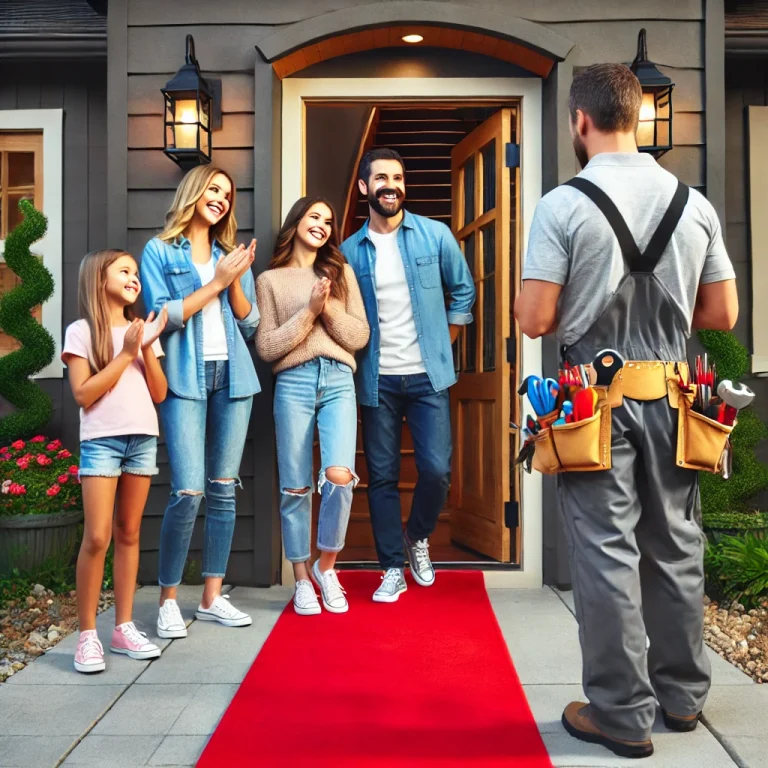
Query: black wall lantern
{"points": [[192, 111], [654, 133]]}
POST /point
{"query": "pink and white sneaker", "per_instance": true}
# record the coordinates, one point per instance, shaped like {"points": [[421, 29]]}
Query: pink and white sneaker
{"points": [[128, 640], [89, 656]]}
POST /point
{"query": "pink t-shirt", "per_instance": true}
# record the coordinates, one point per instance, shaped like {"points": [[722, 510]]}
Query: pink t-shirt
{"points": [[127, 409]]}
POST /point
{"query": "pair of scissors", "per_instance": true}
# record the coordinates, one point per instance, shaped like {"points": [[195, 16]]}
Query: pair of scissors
{"points": [[542, 394]]}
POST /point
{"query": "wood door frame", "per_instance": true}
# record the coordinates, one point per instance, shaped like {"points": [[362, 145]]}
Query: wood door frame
{"points": [[528, 91]]}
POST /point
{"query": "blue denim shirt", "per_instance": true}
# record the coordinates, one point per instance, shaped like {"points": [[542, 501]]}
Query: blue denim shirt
{"points": [[429, 251], [168, 276]]}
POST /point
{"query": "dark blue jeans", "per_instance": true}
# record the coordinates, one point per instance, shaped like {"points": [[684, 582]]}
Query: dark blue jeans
{"points": [[429, 421]]}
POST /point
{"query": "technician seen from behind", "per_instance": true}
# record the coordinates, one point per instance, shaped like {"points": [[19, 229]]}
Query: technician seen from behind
{"points": [[636, 546], [406, 265]]}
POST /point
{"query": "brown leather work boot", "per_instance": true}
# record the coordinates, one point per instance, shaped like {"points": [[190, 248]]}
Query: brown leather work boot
{"points": [[680, 723], [578, 723]]}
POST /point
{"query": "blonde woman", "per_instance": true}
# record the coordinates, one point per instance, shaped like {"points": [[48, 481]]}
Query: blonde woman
{"points": [[115, 377], [196, 272]]}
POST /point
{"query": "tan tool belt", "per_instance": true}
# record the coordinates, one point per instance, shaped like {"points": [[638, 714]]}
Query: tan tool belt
{"points": [[585, 446]]}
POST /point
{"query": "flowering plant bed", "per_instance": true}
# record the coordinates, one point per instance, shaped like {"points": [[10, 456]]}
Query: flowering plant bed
{"points": [[38, 477]]}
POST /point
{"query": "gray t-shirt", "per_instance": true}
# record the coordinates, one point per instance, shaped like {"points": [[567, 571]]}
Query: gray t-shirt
{"points": [[572, 244]]}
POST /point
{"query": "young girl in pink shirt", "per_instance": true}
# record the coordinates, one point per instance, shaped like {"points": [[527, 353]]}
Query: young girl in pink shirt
{"points": [[116, 379]]}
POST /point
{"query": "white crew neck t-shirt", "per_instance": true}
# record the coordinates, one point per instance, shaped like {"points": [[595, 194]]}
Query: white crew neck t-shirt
{"points": [[214, 332], [400, 354]]}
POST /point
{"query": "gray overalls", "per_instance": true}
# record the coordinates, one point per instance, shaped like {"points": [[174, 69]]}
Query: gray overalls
{"points": [[635, 542]]}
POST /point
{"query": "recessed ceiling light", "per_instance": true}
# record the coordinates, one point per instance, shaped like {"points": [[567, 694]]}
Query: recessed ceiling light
{"points": [[412, 38]]}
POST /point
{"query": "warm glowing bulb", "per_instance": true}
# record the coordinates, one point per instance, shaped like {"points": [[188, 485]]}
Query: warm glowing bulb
{"points": [[645, 132], [412, 38], [186, 135]]}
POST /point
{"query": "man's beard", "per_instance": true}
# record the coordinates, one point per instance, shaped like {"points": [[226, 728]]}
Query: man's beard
{"points": [[386, 211], [581, 151]]}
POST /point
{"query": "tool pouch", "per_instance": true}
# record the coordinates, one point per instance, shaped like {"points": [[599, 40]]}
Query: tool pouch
{"points": [[584, 446], [700, 440]]}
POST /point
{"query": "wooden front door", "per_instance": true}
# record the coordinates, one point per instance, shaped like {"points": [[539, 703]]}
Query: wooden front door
{"points": [[484, 221]]}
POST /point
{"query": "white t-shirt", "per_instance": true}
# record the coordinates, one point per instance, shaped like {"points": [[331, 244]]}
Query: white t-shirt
{"points": [[400, 354], [214, 332]]}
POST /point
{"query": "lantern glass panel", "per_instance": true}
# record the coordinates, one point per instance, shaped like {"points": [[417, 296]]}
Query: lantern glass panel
{"points": [[205, 144], [205, 111], [646, 126]]}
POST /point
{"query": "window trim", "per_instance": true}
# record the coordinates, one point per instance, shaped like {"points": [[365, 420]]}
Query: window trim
{"points": [[51, 123]]}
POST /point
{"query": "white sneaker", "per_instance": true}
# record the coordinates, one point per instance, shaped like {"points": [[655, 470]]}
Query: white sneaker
{"points": [[305, 601], [334, 597], [170, 624], [392, 586], [422, 569], [224, 612]]}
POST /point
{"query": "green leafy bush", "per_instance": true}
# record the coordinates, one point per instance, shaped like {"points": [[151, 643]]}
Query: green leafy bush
{"points": [[750, 476], [737, 569], [34, 407], [38, 478]]}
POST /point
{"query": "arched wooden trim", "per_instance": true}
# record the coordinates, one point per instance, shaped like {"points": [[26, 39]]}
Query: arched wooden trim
{"points": [[445, 25]]}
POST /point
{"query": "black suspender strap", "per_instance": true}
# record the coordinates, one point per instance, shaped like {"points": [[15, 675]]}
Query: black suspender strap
{"points": [[663, 234], [627, 243], [636, 262]]}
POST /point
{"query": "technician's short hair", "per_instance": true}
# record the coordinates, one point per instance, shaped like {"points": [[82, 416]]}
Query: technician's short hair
{"points": [[610, 94]]}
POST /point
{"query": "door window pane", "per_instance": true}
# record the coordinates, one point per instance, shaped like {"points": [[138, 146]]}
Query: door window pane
{"points": [[469, 252], [489, 324], [489, 176], [489, 249], [469, 191], [14, 214], [21, 169]]}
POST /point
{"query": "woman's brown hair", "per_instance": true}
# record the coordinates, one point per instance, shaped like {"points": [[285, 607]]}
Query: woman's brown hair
{"points": [[93, 305], [182, 210], [329, 261]]}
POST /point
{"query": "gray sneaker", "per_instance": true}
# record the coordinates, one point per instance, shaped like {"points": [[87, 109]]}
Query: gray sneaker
{"points": [[418, 556], [392, 586]]}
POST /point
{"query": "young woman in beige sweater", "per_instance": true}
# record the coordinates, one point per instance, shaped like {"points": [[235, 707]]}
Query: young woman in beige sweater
{"points": [[312, 322]]}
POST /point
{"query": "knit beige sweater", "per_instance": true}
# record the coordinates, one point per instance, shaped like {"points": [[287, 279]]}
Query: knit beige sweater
{"points": [[289, 334]]}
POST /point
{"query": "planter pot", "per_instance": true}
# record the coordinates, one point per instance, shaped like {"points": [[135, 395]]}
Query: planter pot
{"points": [[715, 535], [27, 541]]}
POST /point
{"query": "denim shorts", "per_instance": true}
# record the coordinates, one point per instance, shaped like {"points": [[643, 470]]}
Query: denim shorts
{"points": [[111, 456]]}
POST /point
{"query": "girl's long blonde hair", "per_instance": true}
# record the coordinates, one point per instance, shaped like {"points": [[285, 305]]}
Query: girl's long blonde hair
{"points": [[182, 210], [93, 305]]}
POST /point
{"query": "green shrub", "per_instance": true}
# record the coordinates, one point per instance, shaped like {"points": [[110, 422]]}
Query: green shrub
{"points": [[738, 521], [38, 477], [34, 407], [750, 476], [736, 568]]}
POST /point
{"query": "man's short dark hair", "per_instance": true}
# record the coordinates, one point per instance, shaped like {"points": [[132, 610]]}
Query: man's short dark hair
{"points": [[380, 153], [610, 94]]}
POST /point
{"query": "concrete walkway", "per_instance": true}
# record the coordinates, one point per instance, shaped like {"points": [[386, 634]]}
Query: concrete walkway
{"points": [[162, 713]]}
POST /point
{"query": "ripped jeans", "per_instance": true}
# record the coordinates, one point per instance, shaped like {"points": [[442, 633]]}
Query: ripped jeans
{"points": [[319, 392], [196, 430]]}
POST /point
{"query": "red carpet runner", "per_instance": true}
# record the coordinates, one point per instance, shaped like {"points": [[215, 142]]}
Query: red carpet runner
{"points": [[426, 681]]}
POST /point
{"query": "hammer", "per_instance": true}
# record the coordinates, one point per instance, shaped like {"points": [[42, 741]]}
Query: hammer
{"points": [[736, 397]]}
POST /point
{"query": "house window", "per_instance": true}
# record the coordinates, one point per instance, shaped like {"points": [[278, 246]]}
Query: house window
{"points": [[758, 225], [31, 167], [21, 178]]}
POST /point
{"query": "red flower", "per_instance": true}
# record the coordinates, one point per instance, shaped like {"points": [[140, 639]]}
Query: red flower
{"points": [[53, 490], [44, 460], [23, 463], [38, 439], [18, 445], [17, 490], [54, 446], [65, 454], [63, 479], [74, 469]]}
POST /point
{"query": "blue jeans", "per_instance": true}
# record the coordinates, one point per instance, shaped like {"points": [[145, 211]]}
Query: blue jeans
{"points": [[111, 456], [196, 430], [429, 420], [319, 392]]}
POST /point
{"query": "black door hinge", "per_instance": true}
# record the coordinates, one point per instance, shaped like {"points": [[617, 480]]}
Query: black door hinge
{"points": [[513, 155], [511, 514], [512, 350]]}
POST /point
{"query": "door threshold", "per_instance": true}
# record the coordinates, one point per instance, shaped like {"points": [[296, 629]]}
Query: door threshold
{"points": [[448, 565]]}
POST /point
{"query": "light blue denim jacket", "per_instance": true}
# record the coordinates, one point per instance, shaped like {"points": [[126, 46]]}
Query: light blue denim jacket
{"points": [[168, 276], [430, 251]]}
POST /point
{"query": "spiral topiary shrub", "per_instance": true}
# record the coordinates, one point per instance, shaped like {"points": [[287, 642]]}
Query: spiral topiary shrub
{"points": [[33, 405], [721, 498]]}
